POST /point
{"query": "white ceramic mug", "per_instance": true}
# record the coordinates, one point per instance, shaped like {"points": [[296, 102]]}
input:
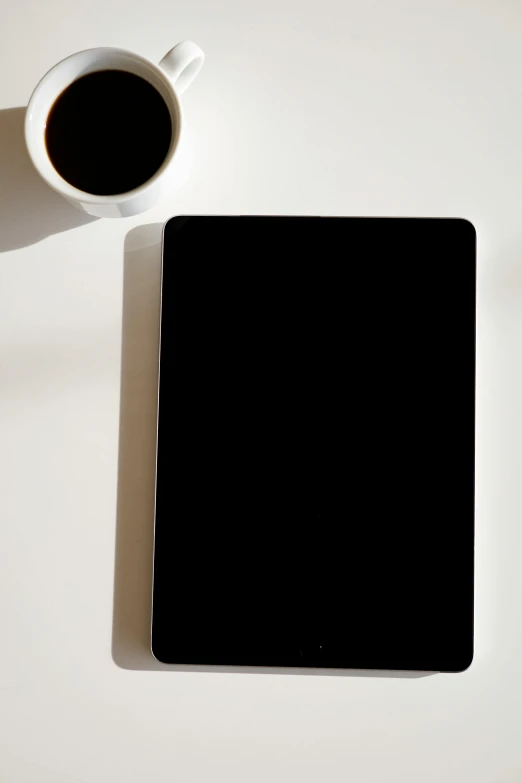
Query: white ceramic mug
{"points": [[171, 78]]}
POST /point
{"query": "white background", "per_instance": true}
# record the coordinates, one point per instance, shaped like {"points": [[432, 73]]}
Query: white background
{"points": [[332, 107]]}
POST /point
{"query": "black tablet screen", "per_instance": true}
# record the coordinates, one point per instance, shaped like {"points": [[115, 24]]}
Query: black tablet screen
{"points": [[315, 474]]}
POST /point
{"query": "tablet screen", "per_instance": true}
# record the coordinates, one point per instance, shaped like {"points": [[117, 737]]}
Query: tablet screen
{"points": [[315, 468]]}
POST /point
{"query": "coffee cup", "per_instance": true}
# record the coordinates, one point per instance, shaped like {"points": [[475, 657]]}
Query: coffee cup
{"points": [[170, 78]]}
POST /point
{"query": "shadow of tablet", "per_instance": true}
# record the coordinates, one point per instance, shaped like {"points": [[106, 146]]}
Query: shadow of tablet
{"points": [[29, 209], [136, 470]]}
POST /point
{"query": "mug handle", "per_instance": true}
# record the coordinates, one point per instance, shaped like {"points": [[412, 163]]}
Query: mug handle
{"points": [[182, 64]]}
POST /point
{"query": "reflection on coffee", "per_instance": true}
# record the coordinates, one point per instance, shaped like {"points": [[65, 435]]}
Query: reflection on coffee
{"points": [[108, 132]]}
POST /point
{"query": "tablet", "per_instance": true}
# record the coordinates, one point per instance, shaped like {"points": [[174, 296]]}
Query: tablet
{"points": [[315, 461]]}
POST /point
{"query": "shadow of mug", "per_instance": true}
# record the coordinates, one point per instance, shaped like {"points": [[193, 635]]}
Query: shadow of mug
{"points": [[137, 468], [29, 209]]}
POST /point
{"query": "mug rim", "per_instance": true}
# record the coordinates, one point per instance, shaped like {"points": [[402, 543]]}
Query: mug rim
{"points": [[65, 188]]}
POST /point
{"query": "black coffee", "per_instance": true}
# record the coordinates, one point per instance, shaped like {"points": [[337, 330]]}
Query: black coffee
{"points": [[108, 132]]}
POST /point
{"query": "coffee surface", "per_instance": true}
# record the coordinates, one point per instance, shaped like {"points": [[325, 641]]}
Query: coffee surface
{"points": [[108, 132]]}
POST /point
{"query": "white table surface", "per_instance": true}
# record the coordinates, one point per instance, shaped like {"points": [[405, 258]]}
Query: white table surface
{"points": [[339, 107]]}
